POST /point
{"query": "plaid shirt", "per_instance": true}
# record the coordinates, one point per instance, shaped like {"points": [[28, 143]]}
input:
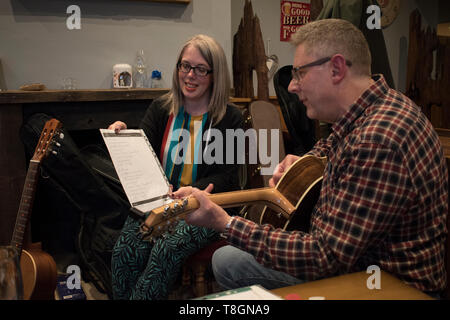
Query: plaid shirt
{"points": [[383, 200]]}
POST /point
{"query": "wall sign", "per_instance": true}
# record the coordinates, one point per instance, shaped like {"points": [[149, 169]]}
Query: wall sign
{"points": [[293, 15]]}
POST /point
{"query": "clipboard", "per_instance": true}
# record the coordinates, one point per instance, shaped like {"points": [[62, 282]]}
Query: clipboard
{"points": [[138, 168]]}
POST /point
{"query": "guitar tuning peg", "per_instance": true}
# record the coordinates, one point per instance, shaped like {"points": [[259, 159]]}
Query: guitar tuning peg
{"points": [[54, 152], [61, 136], [58, 144]]}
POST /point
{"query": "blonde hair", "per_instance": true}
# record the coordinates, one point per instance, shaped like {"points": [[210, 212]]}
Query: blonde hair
{"points": [[214, 55], [325, 38]]}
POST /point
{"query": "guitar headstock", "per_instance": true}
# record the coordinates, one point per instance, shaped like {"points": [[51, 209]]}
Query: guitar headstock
{"points": [[47, 141], [164, 219]]}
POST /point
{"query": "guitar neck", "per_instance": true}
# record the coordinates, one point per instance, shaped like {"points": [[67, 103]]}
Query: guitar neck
{"points": [[268, 196], [26, 204], [178, 210]]}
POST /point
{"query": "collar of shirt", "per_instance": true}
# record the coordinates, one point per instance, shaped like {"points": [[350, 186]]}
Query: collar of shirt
{"points": [[376, 90]]}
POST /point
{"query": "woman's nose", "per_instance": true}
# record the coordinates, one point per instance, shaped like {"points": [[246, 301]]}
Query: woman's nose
{"points": [[191, 73]]}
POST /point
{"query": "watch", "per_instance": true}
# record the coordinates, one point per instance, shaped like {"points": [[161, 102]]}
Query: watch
{"points": [[228, 225], [227, 228]]}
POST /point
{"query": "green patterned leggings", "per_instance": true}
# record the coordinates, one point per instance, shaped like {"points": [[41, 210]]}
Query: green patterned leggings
{"points": [[145, 271]]}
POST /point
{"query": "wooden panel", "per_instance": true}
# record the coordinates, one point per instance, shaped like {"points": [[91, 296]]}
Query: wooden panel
{"points": [[92, 114], [12, 169], [426, 88]]}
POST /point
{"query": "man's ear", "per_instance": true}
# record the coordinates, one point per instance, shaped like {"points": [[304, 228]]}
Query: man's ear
{"points": [[338, 68]]}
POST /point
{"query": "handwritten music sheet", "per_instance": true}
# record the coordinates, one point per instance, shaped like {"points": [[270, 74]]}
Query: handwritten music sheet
{"points": [[138, 168]]}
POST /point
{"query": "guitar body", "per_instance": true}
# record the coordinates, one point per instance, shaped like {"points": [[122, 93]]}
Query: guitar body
{"points": [[301, 186], [38, 274]]}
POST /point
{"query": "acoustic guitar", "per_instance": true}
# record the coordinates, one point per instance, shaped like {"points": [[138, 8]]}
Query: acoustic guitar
{"points": [[37, 267], [288, 206]]}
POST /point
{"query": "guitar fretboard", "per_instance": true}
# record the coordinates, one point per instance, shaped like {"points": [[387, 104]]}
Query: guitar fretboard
{"points": [[26, 203]]}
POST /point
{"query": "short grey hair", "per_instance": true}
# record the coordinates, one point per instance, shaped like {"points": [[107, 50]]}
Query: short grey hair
{"points": [[327, 37]]}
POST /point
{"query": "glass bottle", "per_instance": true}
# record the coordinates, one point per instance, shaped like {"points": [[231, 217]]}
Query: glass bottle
{"points": [[140, 70]]}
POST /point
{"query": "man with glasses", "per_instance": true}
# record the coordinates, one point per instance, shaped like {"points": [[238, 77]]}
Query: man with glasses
{"points": [[384, 192]]}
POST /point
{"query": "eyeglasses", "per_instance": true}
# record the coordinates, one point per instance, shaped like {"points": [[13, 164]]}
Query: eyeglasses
{"points": [[298, 73], [200, 71]]}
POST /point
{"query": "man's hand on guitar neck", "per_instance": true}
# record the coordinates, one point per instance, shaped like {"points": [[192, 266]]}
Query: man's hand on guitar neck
{"points": [[184, 192], [281, 168], [209, 214]]}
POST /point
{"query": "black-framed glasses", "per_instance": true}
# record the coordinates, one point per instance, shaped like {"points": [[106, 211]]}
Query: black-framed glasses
{"points": [[198, 70], [298, 73]]}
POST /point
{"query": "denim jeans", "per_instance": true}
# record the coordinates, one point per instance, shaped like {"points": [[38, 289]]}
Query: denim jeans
{"points": [[234, 268]]}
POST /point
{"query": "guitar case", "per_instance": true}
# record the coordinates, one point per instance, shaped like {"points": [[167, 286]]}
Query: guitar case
{"points": [[78, 213]]}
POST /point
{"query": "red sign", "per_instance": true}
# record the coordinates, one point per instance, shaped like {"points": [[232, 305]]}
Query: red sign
{"points": [[293, 15]]}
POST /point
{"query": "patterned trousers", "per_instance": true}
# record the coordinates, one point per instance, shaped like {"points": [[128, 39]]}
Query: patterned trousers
{"points": [[146, 271]]}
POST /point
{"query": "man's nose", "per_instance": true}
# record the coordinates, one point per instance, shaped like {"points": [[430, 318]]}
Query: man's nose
{"points": [[293, 86]]}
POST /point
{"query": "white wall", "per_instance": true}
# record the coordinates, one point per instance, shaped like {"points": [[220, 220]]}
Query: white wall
{"points": [[36, 46]]}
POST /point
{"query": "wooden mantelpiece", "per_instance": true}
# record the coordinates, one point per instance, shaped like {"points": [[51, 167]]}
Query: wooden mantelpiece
{"points": [[19, 96]]}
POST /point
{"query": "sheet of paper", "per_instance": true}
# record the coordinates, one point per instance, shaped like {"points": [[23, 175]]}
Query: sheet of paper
{"points": [[254, 292], [138, 168]]}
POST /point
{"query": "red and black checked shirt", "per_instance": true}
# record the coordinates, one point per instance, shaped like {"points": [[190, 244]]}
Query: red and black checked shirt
{"points": [[383, 200]]}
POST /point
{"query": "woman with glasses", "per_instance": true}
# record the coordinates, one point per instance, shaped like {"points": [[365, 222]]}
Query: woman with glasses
{"points": [[197, 102]]}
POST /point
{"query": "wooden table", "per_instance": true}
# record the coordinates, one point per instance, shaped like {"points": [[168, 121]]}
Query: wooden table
{"points": [[354, 287]]}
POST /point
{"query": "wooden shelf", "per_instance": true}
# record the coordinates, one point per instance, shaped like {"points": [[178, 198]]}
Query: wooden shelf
{"points": [[20, 96]]}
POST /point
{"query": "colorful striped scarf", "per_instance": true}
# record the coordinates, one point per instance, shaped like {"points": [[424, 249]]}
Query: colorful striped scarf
{"points": [[181, 146]]}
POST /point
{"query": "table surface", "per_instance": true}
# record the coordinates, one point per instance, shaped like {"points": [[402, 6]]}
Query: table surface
{"points": [[353, 287]]}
